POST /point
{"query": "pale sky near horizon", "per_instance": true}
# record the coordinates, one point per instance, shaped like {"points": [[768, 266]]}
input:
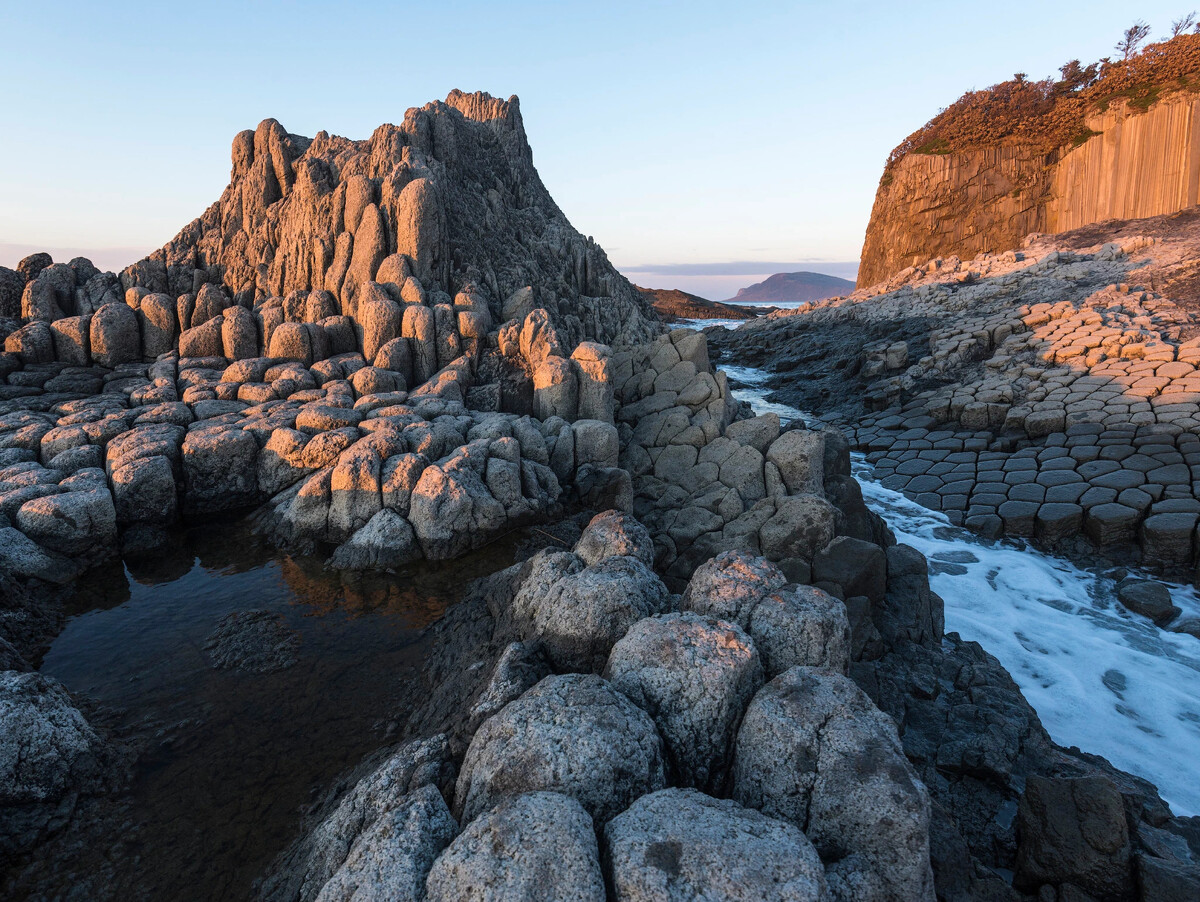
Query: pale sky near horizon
{"points": [[703, 145]]}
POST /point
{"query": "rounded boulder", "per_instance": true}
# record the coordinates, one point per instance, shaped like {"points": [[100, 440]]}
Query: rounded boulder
{"points": [[573, 734], [695, 677], [680, 844], [536, 847]]}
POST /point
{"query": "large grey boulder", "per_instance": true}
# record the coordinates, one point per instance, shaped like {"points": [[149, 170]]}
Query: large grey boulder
{"points": [[144, 491], [536, 847], [612, 534], [729, 586], [679, 845], [220, 469], [21, 556], [814, 750], [386, 541], [573, 734], [800, 456], [33, 343], [114, 335], [801, 626], [47, 748], [757, 432], [451, 509], [695, 677], [800, 527], [580, 615], [308, 866], [82, 524], [390, 860]]}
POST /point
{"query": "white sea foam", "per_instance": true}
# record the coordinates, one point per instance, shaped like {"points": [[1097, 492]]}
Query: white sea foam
{"points": [[1100, 677]]}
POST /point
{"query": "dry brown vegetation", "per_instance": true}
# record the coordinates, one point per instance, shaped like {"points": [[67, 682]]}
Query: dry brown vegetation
{"points": [[1051, 114]]}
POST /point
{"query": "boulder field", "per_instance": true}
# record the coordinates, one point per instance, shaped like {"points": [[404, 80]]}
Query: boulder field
{"points": [[715, 674]]}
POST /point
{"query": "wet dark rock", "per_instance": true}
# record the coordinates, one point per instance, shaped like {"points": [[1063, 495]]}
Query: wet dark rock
{"points": [[856, 566], [49, 754], [253, 641], [1148, 598], [1074, 831]]}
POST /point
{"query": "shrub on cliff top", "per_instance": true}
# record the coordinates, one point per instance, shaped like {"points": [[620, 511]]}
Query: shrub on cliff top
{"points": [[1050, 114]]}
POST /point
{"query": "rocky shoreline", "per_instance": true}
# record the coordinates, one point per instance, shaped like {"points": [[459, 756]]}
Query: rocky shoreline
{"points": [[714, 673], [1042, 394]]}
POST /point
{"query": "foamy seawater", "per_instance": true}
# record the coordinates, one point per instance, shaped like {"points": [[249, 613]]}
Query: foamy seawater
{"points": [[1100, 677]]}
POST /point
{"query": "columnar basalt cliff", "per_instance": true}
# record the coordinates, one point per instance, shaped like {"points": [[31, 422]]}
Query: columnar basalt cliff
{"points": [[1124, 146], [449, 199]]}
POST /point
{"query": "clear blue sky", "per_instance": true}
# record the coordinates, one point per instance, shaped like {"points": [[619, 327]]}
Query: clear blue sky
{"points": [[677, 134]]}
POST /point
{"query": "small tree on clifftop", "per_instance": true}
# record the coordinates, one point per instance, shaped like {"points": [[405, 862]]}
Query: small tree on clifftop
{"points": [[1132, 39], [1185, 23]]}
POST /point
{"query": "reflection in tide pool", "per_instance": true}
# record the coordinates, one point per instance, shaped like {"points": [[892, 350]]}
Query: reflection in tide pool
{"points": [[1100, 677], [227, 760]]}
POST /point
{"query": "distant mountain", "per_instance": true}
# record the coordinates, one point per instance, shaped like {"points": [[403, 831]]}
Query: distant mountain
{"points": [[672, 304], [792, 288]]}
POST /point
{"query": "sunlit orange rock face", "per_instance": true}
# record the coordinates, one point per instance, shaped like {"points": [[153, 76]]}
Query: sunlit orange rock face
{"points": [[1129, 163], [449, 197]]}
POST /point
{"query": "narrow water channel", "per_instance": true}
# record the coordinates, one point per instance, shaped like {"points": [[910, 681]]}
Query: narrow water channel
{"points": [[1100, 677]]}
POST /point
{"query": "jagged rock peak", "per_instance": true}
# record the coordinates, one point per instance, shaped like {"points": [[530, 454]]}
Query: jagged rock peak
{"points": [[448, 199]]}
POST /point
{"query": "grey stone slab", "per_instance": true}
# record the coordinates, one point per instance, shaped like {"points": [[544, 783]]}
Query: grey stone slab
{"points": [[1027, 492], [1066, 494], [1090, 471], [1058, 477], [1174, 474], [989, 500], [1059, 463], [958, 487], [924, 483], [1136, 499], [1098, 495], [1119, 479]]}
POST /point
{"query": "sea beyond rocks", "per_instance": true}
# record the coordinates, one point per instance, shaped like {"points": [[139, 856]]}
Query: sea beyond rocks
{"points": [[712, 673]]}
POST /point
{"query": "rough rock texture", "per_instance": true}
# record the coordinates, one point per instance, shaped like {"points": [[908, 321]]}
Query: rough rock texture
{"points": [[1074, 831], [572, 734], [48, 755], [987, 200], [536, 847], [579, 613], [391, 858], [815, 751], [801, 626], [308, 866], [731, 585], [677, 845], [694, 676], [614, 534], [254, 641], [450, 195]]}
